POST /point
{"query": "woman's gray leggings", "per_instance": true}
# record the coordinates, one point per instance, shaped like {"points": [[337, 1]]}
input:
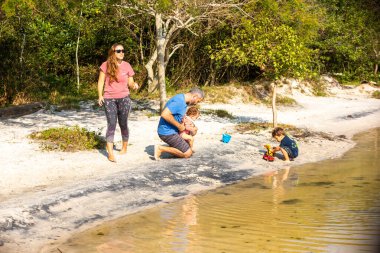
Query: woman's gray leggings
{"points": [[117, 109]]}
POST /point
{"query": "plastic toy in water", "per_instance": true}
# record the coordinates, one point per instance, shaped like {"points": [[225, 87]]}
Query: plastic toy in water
{"points": [[269, 154], [226, 138]]}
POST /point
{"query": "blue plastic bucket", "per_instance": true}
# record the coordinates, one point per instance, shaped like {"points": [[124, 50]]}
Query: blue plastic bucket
{"points": [[226, 138]]}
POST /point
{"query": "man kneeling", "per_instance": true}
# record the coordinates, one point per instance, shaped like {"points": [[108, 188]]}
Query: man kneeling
{"points": [[171, 124]]}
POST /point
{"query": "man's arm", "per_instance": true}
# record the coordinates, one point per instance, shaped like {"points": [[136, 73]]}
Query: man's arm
{"points": [[189, 125], [168, 116]]}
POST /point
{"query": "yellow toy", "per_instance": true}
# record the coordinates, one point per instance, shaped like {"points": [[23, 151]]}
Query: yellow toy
{"points": [[269, 154]]}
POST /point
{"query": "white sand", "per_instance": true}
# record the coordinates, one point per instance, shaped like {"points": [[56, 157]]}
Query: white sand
{"points": [[54, 194]]}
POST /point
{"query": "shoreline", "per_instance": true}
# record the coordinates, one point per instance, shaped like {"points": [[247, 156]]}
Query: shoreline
{"points": [[39, 207], [250, 207]]}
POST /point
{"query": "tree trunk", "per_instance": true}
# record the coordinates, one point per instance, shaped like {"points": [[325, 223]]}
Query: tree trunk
{"points": [[19, 83], [152, 77], [160, 42], [377, 54], [274, 109], [77, 47], [211, 77]]}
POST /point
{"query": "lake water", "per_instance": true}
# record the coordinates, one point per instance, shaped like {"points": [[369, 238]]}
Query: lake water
{"points": [[331, 206]]}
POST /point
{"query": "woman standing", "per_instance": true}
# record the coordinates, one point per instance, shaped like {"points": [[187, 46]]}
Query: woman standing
{"points": [[115, 77]]}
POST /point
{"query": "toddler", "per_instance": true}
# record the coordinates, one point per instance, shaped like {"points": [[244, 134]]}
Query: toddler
{"points": [[288, 146], [191, 130]]}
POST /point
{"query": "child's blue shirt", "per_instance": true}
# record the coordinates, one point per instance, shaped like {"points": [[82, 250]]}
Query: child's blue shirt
{"points": [[291, 144]]}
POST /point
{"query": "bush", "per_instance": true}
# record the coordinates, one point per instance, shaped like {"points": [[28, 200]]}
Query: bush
{"points": [[219, 113], [376, 94], [68, 139]]}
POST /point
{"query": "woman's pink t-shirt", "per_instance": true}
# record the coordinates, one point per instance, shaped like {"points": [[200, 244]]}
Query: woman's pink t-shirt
{"points": [[117, 89]]}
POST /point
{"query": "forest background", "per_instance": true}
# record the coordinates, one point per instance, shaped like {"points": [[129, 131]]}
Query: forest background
{"points": [[52, 50]]}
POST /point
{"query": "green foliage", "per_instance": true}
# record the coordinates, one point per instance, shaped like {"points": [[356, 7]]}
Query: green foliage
{"points": [[286, 101], [11, 7], [319, 89], [278, 51], [274, 39], [68, 139], [376, 94], [270, 38], [350, 39], [164, 5], [38, 43]]}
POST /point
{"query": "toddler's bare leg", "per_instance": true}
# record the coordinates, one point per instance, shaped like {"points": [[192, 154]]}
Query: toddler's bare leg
{"points": [[191, 143], [286, 156]]}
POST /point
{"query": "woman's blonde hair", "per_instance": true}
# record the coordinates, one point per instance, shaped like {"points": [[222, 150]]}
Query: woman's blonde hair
{"points": [[112, 64]]}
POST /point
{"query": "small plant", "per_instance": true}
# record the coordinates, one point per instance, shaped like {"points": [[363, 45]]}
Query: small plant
{"points": [[376, 94], [219, 113], [152, 114], [68, 139], [319, 90], [284, 100], [257, 127], [280, 100]]}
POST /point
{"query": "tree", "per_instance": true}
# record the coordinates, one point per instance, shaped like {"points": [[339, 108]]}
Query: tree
{"points": [[170, 18], [272, 40], [349, 41]]}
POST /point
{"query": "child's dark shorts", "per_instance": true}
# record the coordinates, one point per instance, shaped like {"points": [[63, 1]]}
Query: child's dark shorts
{"points": [[175, 141], [289, 151]]}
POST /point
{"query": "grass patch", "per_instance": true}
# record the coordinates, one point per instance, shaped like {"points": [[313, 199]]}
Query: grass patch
{"points": [[68, 139], [284, 100], [280, 100], [376, 94], [219, 113], [318, 89], [226, 94], [152, 114], [257, 127], [69, 101]]}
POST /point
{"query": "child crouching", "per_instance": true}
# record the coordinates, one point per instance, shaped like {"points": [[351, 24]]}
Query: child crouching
{"points": [[288, 146]]}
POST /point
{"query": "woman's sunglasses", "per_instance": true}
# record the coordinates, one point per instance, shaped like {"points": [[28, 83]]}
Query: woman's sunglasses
{"points": [[120, 51]]}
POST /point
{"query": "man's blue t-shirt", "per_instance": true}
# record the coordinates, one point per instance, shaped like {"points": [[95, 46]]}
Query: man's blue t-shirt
{"points": [[291, 144], [177, 106]]}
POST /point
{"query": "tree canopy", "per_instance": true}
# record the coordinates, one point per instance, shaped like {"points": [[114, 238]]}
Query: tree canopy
{"points": [[252, 39]]}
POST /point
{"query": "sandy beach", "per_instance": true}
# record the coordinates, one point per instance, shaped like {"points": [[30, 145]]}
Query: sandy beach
{"points": [[46, 196]]}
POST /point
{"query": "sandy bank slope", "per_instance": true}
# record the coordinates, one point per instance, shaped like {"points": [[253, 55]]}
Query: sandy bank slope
{"points": [[47, 195]]}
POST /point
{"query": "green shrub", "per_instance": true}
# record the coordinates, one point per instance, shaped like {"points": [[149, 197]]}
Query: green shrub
{"points": [[68, 139], [376, 94], [284, 100], [219, 113]]}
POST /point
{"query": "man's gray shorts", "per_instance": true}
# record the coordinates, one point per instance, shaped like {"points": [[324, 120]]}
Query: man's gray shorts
{"points": [[175, 141]]}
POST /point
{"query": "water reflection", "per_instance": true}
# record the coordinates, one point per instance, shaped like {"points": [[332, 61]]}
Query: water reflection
{"points": [[331, 206], [180, 223]]}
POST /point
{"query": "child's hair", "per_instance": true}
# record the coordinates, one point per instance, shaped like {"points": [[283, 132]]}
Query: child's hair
{"points": [[278, 131], [192, 111]]}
